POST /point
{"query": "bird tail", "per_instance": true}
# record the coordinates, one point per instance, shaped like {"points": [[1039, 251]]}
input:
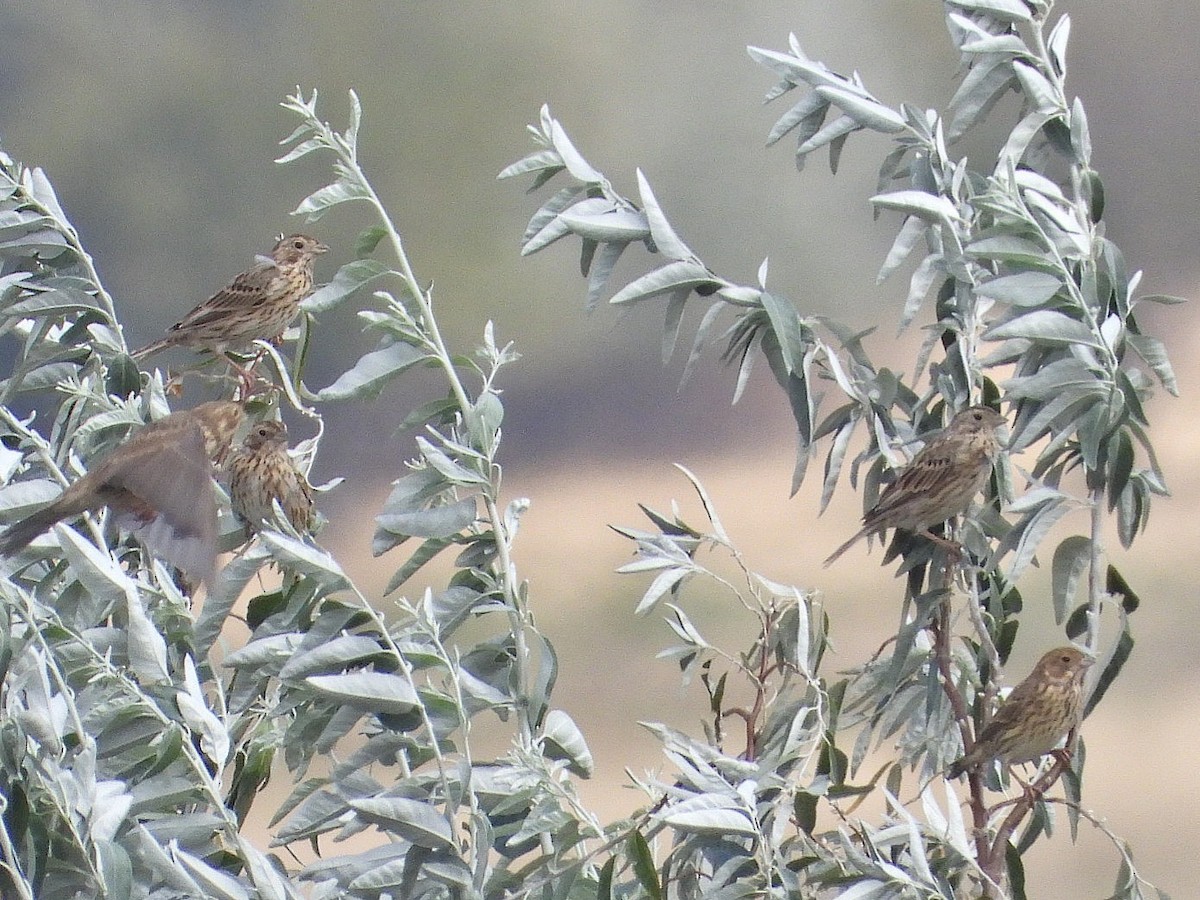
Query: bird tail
{"points": [[19, 536], [149, 349], [846, 546]]}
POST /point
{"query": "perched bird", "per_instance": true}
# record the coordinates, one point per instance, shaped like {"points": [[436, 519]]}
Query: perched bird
{"points": [[261, 471], [260, 303], [940, 481], [1039, 713], [158, 485]]}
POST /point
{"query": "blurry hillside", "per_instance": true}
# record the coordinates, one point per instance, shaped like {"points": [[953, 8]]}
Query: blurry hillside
{"points": [[158, 126]]}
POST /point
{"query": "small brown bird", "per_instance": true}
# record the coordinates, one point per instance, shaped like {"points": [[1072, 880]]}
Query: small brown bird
{"points": [[260, 303], [261, 471], [158, 485], [1039, 713], [941, 480]]}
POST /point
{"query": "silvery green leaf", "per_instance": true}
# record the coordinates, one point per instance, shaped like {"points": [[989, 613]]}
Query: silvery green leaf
{"points": [[864, 110], [343, 652], [96, 570], [1021, 289], [601, 219], [307, 560], [565, 741], [214, 739], [319, 202], [412, 820], [664, 280], [349, 278], [668, 242], [707, 815], [1044, 326], [664, 582], [375, 692], [579, 167], [435, 522], [1004, 10], [371, 374], [146, 648], [930, 207]]}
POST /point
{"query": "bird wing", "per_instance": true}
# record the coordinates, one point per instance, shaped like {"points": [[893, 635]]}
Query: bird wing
{"points": [[161, 491], [923, 474], [244, 291]]}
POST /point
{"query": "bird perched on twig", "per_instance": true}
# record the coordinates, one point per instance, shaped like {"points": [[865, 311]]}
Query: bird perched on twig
{"points": [[1039, 713], [261, 471], [259, 303], [940, 481], [158, 485]]}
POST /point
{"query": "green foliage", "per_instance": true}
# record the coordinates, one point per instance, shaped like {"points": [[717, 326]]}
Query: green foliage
{"points": [[134, 742], [1034, 307]]}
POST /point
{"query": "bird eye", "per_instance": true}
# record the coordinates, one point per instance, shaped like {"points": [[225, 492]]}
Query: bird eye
{"points": [[298, 244]]}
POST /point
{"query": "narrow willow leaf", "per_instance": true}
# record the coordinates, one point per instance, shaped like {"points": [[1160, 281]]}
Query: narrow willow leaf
{"points": [[1154, 352], [1045, 326], [96, 570], [541, 161], [435, 522], [602, 267], [811, 107], [428, 551], [579, 167], [674, 316], [349, 278], [1110, 672], [929, 207], [788, 330], [307, 559], [1070, 560], [643, 864], [828, 134], [864, 110], [372, 373], [666, 581], [319, 202], [713, 821], [145, 646], [1022, 289], [343, 652], [1005, 10], [412, 820], [910, 233], [564, 740], [1037, 88], [665, 238], [664, 280], [603, 220], [374, 692]]}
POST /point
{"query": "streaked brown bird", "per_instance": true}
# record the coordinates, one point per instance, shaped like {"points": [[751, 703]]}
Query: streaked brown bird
{"points": [[260, 303], [941, 480], [158, 485], [261, 471], [1039, 713]]}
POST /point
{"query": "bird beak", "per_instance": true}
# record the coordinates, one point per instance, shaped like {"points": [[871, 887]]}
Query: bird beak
{"points": [[320, 248]]}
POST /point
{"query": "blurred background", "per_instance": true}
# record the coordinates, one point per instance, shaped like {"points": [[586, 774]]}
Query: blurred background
{"points": [[158, 124]]}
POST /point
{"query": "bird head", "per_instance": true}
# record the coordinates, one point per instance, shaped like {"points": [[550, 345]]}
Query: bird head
{"points": [[297, 248], [1063, 665], [270, 435]]}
